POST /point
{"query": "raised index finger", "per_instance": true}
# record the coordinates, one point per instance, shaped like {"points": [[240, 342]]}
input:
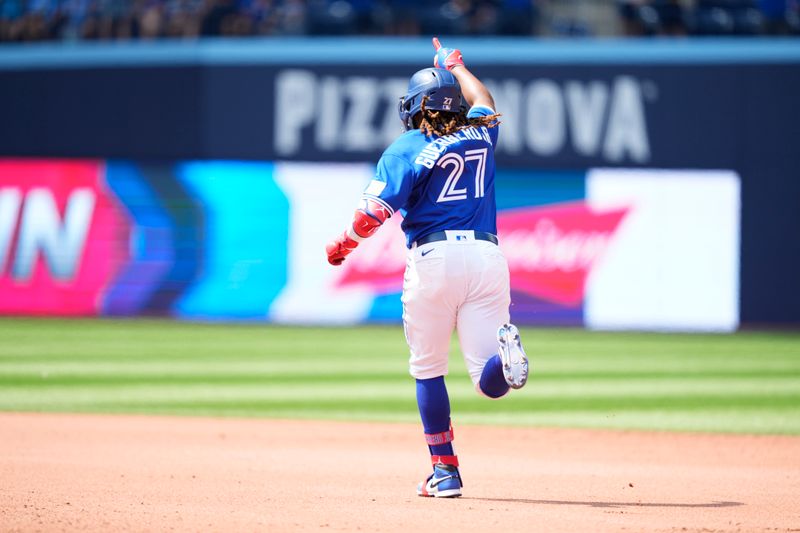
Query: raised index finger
{"points": [[436, 43]]}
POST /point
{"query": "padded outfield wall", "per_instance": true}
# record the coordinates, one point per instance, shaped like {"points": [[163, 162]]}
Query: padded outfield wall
{"points": [[645, 185]]}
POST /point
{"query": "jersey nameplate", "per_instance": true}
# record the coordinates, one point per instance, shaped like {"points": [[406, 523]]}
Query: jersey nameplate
{"points": [[431, 153]]}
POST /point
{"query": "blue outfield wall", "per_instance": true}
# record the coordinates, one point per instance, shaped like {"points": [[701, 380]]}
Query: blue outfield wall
{"points": [[567, 106]]}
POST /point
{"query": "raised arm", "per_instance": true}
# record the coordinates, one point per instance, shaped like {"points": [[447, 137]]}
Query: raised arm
{"points": [[474, 91]]}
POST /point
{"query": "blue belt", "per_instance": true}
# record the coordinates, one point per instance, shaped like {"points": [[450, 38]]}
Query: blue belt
{"points": [[442, 236]]}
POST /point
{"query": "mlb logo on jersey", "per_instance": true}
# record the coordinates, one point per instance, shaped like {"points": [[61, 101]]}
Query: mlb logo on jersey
{"points": [[458, 235]]}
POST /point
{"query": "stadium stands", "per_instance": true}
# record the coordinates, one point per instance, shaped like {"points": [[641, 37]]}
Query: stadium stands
{"points": [[709, 17], [70, 20]]}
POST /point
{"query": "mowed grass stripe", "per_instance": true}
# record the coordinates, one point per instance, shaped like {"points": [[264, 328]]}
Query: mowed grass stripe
{"points": [[544, 363], [549, 361], [194, 370], [367, 399], [536, 391], [91, 339], [743, 383], [384, 384], [268, 371]]}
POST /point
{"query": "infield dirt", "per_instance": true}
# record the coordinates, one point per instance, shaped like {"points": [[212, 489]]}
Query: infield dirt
{"points": [[137, 473]]}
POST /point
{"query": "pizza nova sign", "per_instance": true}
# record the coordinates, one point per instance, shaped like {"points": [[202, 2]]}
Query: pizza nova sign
{"points": [[543, 117]]}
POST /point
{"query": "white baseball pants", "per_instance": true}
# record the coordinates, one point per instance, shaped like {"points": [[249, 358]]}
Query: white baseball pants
{"points": [[460, 283]]}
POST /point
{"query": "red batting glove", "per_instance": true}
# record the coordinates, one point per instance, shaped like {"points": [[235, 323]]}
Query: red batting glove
{"points": [[340, 248], [448, 58]]}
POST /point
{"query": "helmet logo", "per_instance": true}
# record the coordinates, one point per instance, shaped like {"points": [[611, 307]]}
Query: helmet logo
{"points": [[440, 86]]}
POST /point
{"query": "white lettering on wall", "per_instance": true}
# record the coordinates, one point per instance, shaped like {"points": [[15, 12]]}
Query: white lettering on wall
{"points": [[295, 108], [627, 133], [10, 203], [546, 130], [587, 106], [358, 114], [43, 231]]}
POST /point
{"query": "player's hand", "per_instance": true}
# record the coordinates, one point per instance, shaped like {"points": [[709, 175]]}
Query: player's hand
{"points": [[448, 58], [339, 248]]}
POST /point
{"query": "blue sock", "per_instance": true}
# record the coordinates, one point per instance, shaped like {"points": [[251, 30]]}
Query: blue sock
{"points": [[492, 382], [434, 409]]}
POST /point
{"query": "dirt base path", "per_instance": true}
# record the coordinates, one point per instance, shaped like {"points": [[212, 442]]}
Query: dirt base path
{"points": [[111, 473]]}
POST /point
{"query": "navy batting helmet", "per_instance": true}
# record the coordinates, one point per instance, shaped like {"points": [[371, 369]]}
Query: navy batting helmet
{"points": [[441, 88]]}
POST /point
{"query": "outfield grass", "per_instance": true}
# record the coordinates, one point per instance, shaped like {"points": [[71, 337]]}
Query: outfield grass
{"points": [[748, 382]]}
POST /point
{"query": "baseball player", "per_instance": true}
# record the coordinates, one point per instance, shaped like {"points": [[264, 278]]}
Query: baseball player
{"points": [[440, 175]]}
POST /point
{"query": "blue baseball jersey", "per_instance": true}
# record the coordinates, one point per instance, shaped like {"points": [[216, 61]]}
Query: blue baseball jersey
{"points": [[440, 183]]}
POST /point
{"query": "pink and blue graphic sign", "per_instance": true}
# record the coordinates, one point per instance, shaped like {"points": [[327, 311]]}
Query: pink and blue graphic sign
{"points": [[244, 240]]}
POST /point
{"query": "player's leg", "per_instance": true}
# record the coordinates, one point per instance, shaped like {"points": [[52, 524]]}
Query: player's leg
{"points": [[477, 333], [429, 316], [434, 409], [429, 312], [490, 344]]}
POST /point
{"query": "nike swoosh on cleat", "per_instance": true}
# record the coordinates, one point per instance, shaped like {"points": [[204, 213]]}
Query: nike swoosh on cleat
{"points": [[426, 252], [434, 482]]}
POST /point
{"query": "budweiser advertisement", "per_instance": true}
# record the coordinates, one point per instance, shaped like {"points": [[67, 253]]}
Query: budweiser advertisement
{"points": [[550, 249]]}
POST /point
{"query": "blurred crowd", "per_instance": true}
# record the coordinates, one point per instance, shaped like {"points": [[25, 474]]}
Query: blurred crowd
{"points": [[46, 20], [40, 20], [710, 17]]}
